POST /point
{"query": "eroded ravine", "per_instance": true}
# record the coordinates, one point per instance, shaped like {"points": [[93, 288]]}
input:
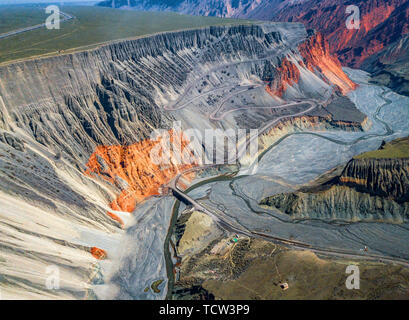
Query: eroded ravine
{"points": [[388, 131], [99, 108]]}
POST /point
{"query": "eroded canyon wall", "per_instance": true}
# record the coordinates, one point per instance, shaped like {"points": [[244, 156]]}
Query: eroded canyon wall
{"points": [[381, 22], [61, 113], [366, 190]]}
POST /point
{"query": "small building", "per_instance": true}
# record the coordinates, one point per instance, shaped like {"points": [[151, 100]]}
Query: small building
{"points": [[284, 286]]}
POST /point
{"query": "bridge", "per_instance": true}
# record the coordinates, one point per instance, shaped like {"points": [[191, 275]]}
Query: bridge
{"points": [[217, 218], [226, 224]]}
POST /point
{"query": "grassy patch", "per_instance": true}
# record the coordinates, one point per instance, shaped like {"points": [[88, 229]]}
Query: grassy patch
{"points": [[92, 26], [398, 148], [155, 286], [310, 277], [17, 17]]}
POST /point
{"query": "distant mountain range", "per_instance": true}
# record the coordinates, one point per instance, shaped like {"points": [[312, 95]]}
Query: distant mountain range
{"points": [[383, 22]]}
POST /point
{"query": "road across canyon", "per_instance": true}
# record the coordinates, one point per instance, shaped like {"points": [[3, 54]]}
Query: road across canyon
{"points": [[175, 105], [224, 223], [291, 104]]}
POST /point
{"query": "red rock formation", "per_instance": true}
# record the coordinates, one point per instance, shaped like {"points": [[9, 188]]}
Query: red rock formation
{"points": [[317, 57], [286, 75], [132, 170], [382, 23], [98, 253], [116, 218]]}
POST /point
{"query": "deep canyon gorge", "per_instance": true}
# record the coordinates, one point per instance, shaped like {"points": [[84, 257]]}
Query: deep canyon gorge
{"points": [[80, 190]]}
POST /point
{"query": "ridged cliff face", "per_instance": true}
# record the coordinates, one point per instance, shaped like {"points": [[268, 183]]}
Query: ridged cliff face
{"points": [[75, 134], [313, 55], [382, 177], [317, 55], [111, 95], [390, 67], [132, 170], [285, 75], [381, 22], [115, 94], [339, 203], [366, 190], [220, 8]]}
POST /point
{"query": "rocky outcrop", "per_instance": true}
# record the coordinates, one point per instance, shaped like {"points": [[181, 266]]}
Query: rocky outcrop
{"points": [[340, 203], [310, 123], [286, 75], [12, 141], [388, 178], [220, 8], [317, 56], [132, 170], [390, 67], [381, 22], [366, 190], [314, 55], [98, 253]]}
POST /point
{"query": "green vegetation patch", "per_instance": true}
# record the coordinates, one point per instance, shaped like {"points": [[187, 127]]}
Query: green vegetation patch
{"points": [[396, 149], [309, 277], [91, 26], [155, 285], [18, 17]]}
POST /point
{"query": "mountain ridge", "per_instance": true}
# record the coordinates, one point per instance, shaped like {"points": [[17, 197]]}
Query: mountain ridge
{"points": [[382, 22]]}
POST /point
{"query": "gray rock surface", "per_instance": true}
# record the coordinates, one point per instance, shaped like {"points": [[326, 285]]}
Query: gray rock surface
{"points": [[55, 111], [390, 67]]}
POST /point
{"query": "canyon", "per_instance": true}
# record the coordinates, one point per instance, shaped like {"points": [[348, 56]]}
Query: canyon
{"points": [[389, 67], [381, 22], [80, 190], [314, 210], [366, 190], [75, 149]]}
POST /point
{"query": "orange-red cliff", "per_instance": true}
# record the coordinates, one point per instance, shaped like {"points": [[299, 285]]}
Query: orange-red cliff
{"points": [[317, 57], [381, 23], [132, 169], [286, 75]]}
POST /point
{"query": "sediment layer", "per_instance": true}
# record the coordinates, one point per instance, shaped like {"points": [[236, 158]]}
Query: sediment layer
{"points": [[366, 190]]}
